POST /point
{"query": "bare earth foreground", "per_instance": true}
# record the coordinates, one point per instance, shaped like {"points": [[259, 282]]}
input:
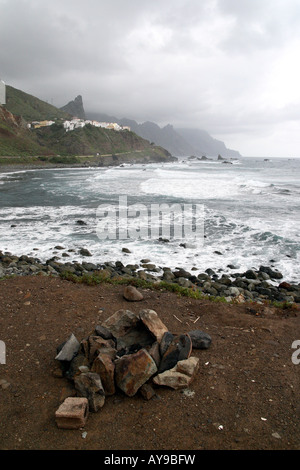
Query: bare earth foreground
{"points": [[245, 396]]}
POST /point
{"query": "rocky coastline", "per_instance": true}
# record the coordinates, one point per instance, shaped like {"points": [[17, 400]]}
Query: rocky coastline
{"points": [[93, 161], [259, 285]]}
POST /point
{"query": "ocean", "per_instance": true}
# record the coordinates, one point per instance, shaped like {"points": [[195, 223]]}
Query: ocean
{"points": [[242, 214]]}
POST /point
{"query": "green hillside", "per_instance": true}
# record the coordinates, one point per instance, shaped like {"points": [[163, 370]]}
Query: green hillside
{"points": [[88, 145], [54, 144], [31, 108], [88, 140], [15, 139]]}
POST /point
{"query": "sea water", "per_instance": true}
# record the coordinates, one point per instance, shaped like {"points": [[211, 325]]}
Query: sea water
{"points": [[251, 213]]}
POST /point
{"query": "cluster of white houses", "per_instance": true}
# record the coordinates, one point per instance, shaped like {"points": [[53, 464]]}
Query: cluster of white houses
{"points": [[77, 123]]}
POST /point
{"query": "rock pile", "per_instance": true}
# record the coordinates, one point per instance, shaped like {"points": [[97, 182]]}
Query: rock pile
{"points": [[130, 352]]}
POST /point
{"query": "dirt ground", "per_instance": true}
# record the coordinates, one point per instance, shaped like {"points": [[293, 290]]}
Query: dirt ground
{"points": [[245, 396]]}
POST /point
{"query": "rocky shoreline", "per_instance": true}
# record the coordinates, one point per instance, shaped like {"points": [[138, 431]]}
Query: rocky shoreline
{"points": [[263, 284]]}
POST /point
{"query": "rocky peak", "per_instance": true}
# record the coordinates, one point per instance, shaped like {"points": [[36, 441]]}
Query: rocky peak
{"points": [[75, 108]]}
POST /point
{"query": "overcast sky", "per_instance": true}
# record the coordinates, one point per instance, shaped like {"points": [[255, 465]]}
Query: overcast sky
{"points": [[230, 67]]}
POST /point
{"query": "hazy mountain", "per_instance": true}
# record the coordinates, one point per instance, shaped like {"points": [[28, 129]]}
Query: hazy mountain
{"points": [[179, 142], [205, 144]]}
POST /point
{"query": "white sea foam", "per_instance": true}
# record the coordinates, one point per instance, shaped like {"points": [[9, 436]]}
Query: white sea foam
{"points": [[251, 215]]}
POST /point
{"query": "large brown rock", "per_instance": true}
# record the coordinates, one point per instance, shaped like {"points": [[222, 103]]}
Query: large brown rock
{"points": [[132, 294], [133, 370], [97, 345], [104, 366], [121, 322], [154, 324]]}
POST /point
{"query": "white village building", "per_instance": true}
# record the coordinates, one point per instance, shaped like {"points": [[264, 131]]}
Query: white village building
{"points": [[2, 92]]}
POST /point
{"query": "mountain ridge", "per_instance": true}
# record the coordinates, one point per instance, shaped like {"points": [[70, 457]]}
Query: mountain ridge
{"points": [[179, 142]]}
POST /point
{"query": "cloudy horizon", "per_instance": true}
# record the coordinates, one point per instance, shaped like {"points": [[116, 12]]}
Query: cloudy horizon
{"points": [[225, 66]]}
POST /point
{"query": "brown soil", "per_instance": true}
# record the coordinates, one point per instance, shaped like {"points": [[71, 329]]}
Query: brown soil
{"points": [[245, 394]]}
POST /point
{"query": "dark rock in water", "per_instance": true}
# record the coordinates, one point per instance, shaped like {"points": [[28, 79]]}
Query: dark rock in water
{"points": [[250, 274], [179, 349], [181, 273], [218, 253], [200, 339], [126, 250], [272, 274], [59, 247], [84, 252], [210, 272], [203, 158], [119, 264], [80, 222], [285, 285], [163, 240]]}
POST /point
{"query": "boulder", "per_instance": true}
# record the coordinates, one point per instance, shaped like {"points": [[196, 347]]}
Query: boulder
{"points": [[121, 322], [138, 338], [132, 294], [179, 349], [84, 252], [200, 339], [104, 366], [180, 376], [133, 371], [154, 324]]}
